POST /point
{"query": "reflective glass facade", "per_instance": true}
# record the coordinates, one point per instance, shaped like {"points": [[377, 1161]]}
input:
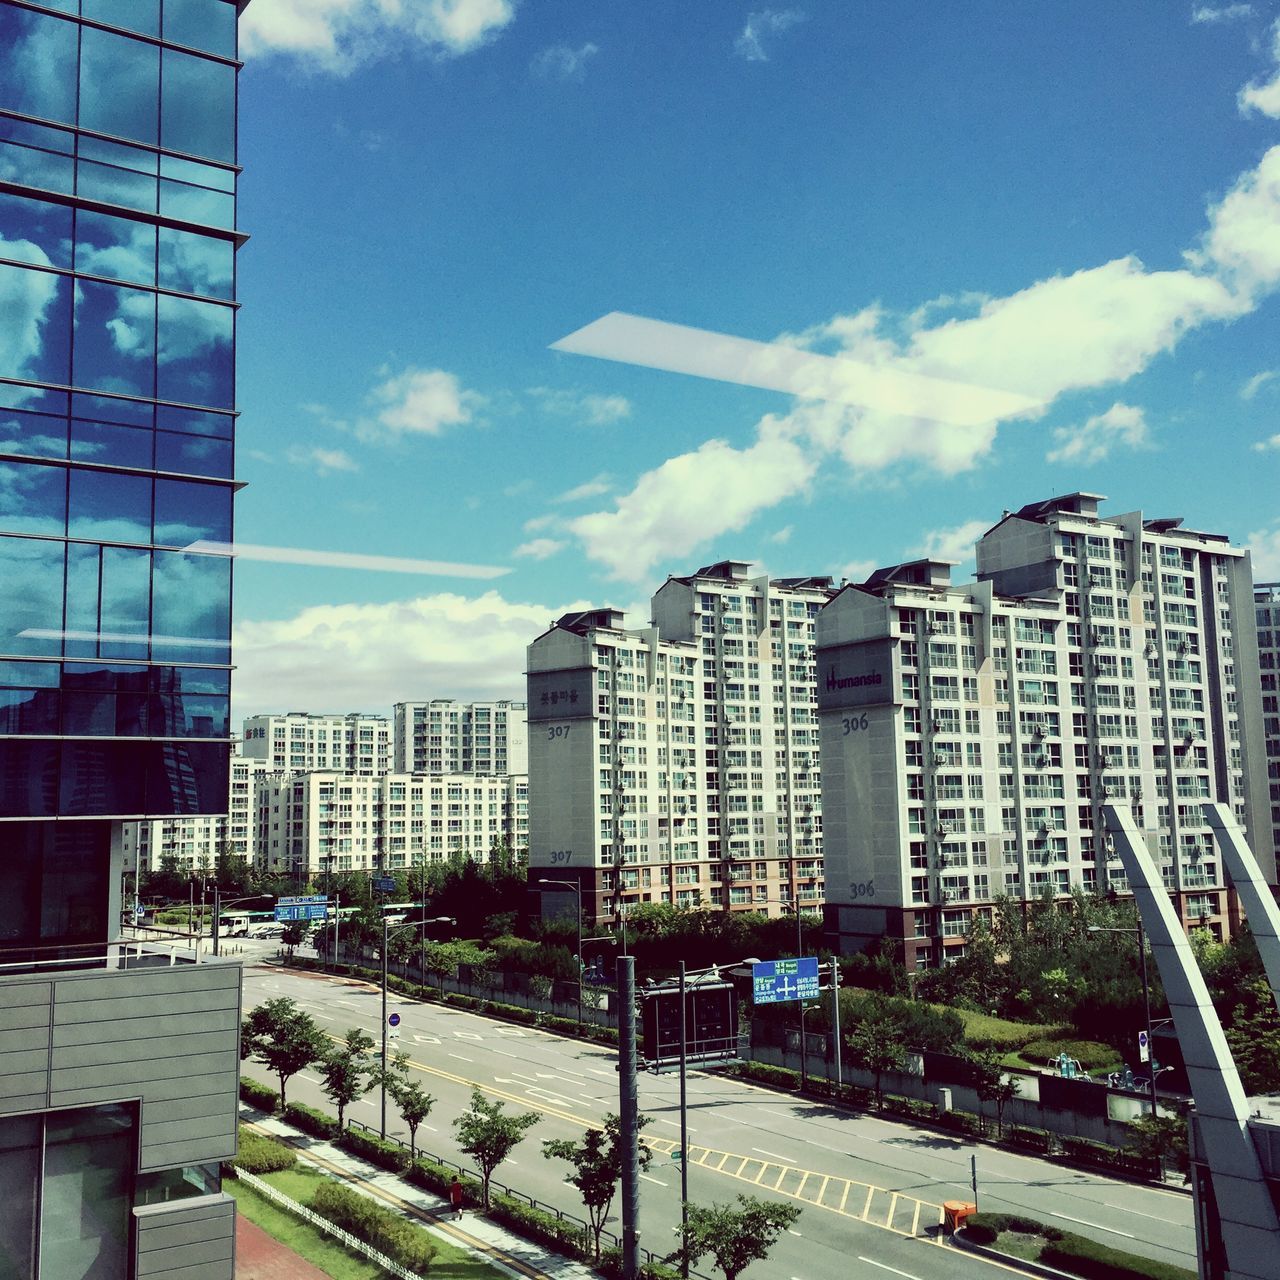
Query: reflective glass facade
{"points": [[117, 425]]}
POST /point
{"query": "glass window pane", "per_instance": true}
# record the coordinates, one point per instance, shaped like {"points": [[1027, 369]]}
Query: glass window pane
{"points": [[38, 64], [104, 442], [188, 777], [119, 248], [28, 788], [113, 185], [32, 573], [119, 85], [195, 423], [133, 413], [35, 675], [214, 176], [133, 15], [36, 155], [192, 455], [185, 680], [109, 507], [115, 338], [125, 610], [196, 361], [35, 338], [202, 24], [38, 399], [34, 231], [198, 106], [36, 434], [84, 565], [27, 711], [19, 1183], [204, 716], [196, 204], [33, 498], [187, 512], [191, 607], [193, 263]]}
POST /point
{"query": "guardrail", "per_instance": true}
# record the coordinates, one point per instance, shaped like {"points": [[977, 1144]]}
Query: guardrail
{"points": [[323, 1224], [121, 954]]}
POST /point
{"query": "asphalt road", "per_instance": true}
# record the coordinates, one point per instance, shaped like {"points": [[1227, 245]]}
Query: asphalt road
{"points": [[870, 1189]]}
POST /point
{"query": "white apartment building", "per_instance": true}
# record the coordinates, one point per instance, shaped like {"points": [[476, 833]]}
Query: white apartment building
{"points": [[971, 733], [322, 821], [1266, 602], [298, 740], [197, 842], [447, 736], [678, 762]]}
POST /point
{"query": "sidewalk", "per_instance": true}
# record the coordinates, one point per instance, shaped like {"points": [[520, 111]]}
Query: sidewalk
{"points": [[510, 1253]]}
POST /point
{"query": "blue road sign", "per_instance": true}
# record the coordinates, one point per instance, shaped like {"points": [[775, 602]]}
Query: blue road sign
{"points": [[778, 981], [298, 902], [393, 1020], [385, 884]]}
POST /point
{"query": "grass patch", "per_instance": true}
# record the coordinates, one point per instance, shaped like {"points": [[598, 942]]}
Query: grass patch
{"points": [[452, 1261], [1095, 1057], [985, 1031]]}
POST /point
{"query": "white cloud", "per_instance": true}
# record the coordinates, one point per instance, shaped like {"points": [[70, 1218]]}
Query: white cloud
{"points": [[1223, 13], [750, 45], [588, 489], [424, 402], [695, 497], [340, 36], [1265, 446], [782, 536], [594, 410], [1255, 384], [1242, 244], [1264, 545], [472, 646], [856, 570], [955, 543], [560, 62], [1264, 96], [323, 461], [540, 548], [1122, 426]]}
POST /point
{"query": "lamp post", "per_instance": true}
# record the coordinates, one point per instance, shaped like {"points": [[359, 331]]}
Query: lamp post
{"points": [[576, 889], [387, 935], [218, 904], [1146, 998]]}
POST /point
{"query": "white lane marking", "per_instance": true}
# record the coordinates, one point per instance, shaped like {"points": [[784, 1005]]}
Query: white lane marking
{"points": [[793, 1231], [884, 1266], [786, 1115], [675, 1124], [1097, 1226], [529, 1079], [460, 1058], [773, 1155], [1155, 1217], [510, 1031], [550, 1097], [597, 1071], [302, 1075], [466, 1035], [647, 1178]]}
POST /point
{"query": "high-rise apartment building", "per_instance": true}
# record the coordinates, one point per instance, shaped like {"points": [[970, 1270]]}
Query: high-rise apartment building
{"points": [[970, 734], [1266, 603], [446, 736], [298, 741], [679, 762], [312, 823], [117, 394]]}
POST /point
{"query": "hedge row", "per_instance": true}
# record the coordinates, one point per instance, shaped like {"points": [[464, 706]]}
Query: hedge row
{"points": [[259, 1154], [311, 1120], [1071, 1253], [379, 1228], [262, 1096], [566, 1237]]}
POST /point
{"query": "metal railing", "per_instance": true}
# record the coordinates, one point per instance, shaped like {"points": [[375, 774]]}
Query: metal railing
{"points": [[120, 954]]}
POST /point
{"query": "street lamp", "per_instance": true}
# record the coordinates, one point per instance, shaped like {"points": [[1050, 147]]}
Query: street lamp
{"points": [[387, 935], [217, 907], [1146, 997], [576, 888]]}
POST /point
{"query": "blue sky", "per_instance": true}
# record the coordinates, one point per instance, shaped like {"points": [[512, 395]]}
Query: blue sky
{"points": [[1075, 208]]}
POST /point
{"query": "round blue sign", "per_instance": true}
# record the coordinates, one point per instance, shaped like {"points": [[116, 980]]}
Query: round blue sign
{"points": [[393, 1020]]}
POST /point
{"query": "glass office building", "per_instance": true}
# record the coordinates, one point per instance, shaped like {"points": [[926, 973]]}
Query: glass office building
{"points": [[117, 402]]}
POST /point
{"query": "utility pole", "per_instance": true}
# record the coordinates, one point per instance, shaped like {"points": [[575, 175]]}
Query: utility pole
{"points": [[835, 1000], [684, 1131], [628, 1112]]}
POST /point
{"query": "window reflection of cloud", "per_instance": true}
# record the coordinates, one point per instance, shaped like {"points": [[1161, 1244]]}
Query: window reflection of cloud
{"points": [[27, 299], [32, 571], [193, 263], [32, 498], [37, 64], [118, 248], [195, 359]]}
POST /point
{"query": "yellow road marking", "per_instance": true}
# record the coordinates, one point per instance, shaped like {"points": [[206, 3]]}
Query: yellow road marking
{"points": [[866, 1208], [822, 1193], [893, 1208], [915, 1221], [844, 1197], [800, 1188]]}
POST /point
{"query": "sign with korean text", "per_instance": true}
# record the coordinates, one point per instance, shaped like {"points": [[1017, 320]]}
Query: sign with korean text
{"points": [[779, 981]]}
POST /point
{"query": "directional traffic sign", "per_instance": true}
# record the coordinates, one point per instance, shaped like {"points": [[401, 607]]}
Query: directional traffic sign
{"points": [[384, 884], [393, 1020], [778, 981], [297, 902]]}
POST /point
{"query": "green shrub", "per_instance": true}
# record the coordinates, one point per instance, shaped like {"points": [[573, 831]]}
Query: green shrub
{"points": [[262, 1096], [1092, 1055], [1101, 1156], [386, 1155], [763, 1073], [610, 1266], [259, 1154], [567, 1237], [437, 1179], [383, 1230], [985, 1031], [1093, 1261], [983, 1228], [310, 1120], [959, 1122], [1017, 1135]]}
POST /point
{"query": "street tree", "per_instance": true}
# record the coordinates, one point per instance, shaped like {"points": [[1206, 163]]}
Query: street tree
{"points": [[412, 1101], [992, 1083], [489, 1135], [876, 1044], [345, 1073], [283, 1037], [735, 1236], [597, 1168], [295, 933], [1163, 1140]]}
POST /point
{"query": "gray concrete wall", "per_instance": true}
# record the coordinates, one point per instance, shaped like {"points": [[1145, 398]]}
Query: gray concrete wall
{"points": [[169, 1037], [186, 1240]]}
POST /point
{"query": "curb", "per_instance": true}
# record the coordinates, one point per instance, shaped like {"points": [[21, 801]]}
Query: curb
{"points": [[1008, 1259]]}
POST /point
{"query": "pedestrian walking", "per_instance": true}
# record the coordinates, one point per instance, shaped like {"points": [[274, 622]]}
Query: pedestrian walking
{"points": [[455, 1197]]}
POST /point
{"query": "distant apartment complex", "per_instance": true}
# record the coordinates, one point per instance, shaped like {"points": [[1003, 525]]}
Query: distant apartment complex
{"points": [[446, 736], [678, 762], [299, 741], [312, 823], [1266, 602], [971, 733]]}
